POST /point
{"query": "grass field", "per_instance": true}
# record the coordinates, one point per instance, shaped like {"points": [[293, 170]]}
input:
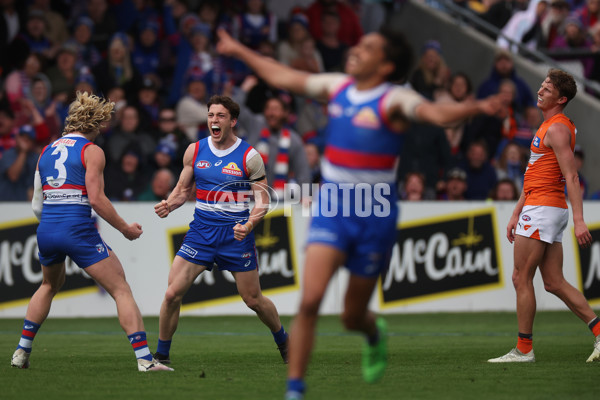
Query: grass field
{"points": [[431, 356]]}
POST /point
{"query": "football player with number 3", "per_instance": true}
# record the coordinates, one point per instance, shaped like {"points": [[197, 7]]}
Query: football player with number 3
{"points": [[366, 114], [68, 184]]}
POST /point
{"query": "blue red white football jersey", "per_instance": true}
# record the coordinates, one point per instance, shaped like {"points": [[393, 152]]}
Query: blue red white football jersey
{"points": [[223, 190], [62, 171]]}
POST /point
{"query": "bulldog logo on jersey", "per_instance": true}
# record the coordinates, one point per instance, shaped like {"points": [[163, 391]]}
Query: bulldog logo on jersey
{"points": [[232, 169], [366, 118]]}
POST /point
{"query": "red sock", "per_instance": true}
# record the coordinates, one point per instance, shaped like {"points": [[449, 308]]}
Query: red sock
{"points": [[524, 345], [595, 326]]}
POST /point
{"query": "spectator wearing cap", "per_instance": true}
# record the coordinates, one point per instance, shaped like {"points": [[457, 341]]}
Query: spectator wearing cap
{"points": [[573, 38], [455, 185], [117, 69], [146, 55], [503, 68], [332, 50], [290, 49], [85, 81], [148, 102], [481, 176], [56, 26], [254, 24], [432, 73], [194, 36], [17, 166], [192, 112], [35, 35], [87, 54], [350, 30], [164, 157]]}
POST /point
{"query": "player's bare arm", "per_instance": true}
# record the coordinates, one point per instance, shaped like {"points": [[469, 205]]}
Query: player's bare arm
{"points": [[444, 114], [256, 173], [514, 218], [182, 190], [94, 183], [271, 71], [558, 138]]}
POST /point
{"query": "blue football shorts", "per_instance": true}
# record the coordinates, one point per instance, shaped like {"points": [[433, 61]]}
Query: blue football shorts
{"points": [[367, 241], [78, 240], [208, 244]]}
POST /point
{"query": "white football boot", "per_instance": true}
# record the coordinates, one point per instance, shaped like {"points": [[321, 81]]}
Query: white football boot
{"points": [[20, 359], [148, 366], [596, 353], [514, 356]]}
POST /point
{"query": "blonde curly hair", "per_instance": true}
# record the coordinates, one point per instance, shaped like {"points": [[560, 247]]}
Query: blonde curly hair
{"points": [[87, 113]]}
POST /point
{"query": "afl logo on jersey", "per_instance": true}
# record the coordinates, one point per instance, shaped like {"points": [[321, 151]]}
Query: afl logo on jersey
{"points": [[335, 110], [536, 141], [526, 218], [203, 164], [232, 169]]}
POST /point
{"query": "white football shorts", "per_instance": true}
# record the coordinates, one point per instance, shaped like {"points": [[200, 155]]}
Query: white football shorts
{"points": [[543, 223]]}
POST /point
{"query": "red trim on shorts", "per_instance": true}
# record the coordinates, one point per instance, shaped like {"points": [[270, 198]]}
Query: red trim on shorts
{"points": [[356, 159]]}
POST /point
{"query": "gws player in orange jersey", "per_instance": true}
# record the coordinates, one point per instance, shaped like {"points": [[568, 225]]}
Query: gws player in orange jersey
{"points": [[541, 215]]}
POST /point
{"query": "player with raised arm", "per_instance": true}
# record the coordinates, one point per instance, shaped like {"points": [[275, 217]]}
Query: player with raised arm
{"points": [[366, 114], [68, 184], [225, 171], [541, 216]]}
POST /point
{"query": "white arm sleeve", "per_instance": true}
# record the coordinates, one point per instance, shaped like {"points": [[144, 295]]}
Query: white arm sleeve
{"points": [[404, 99], [38, 200], [320, 86]]}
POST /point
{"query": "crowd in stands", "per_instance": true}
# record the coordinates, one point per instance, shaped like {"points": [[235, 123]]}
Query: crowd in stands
{"points": [[156, 60]]}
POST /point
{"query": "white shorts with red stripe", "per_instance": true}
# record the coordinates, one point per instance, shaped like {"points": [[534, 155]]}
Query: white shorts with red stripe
{"points": [[543, 223]]}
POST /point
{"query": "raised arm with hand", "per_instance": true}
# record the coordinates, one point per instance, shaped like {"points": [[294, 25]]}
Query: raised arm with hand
{"points": [[94, 183], [181, 193], [271, 71]]}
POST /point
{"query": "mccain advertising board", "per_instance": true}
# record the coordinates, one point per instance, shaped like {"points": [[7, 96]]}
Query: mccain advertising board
{"points": [[589, 265], [443, 256], [20, 269], [276, 260]]}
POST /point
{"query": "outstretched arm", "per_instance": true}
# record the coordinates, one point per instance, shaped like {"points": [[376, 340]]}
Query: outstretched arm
{"points": [[182, 190], [94, 183], [443, 114], [271, 71]]}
